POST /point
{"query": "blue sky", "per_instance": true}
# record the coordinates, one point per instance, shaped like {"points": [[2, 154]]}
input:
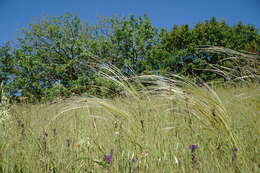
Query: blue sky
{"points": [[17, 14]]}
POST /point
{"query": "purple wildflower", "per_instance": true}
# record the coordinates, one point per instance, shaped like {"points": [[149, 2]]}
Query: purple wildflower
{"points": [[108, 158], [193, 147], [234, 156]]}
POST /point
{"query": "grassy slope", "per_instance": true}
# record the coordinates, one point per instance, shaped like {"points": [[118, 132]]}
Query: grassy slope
{"points": [[154, 130]]}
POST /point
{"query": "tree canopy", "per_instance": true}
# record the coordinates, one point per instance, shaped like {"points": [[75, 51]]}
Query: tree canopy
{"points": [[61, 56]]}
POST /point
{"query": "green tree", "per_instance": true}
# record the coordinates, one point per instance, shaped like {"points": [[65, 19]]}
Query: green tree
{"points": [[127, 42], [183, 42], [6, 62], [61, 56], [53, 51]]}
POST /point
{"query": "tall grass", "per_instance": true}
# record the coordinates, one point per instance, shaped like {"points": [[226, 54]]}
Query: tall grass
{"points": [[237, 66], [4, 111], [150, 130], [156, 124]]}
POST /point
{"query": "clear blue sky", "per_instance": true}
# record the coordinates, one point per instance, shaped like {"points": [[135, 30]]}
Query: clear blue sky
{"points": [[17, 14]]}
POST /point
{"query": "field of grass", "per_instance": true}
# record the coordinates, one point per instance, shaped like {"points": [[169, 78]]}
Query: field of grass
{"points": [[179, 129]]}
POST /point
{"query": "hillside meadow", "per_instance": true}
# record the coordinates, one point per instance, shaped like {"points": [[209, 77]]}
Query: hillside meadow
{"points": [[179, 128], [125, 96]]}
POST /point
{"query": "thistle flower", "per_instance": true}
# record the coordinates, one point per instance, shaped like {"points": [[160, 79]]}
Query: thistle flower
{"points": [[193, 148], [234, 156], [108, 158]]}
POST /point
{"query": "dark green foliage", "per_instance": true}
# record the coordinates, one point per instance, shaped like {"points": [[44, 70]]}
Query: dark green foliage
{"points": [[127, 42], [50, 57], [183, 42], [6, 62], [61, 56]]}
